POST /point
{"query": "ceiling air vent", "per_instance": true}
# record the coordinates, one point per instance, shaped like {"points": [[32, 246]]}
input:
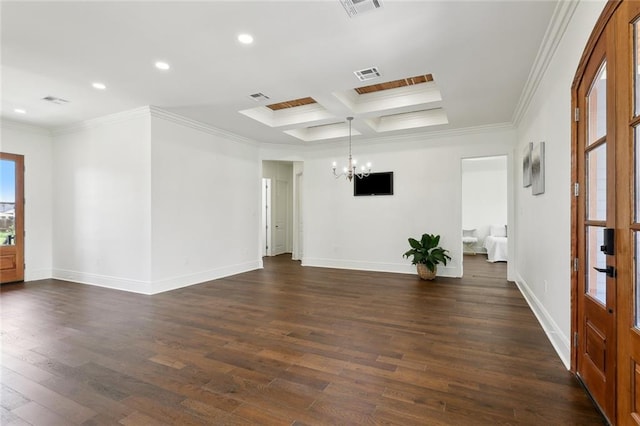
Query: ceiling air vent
{"points": [[55, 100], [356, 7], [367, 74], [259, 97]]}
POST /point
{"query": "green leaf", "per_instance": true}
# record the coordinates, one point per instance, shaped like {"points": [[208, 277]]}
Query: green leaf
{"points": [[414, 243]]}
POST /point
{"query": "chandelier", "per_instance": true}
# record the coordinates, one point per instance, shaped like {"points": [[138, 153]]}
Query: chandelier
{"points": [[350, 171]]}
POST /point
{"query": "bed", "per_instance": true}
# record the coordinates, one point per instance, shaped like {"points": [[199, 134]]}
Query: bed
{"points": [[496, 244]]}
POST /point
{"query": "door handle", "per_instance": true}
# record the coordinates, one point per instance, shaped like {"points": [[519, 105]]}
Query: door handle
{"points": [[609, 270]]}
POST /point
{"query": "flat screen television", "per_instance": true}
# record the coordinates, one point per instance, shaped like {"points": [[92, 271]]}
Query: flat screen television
{"points": [[374, 184]]}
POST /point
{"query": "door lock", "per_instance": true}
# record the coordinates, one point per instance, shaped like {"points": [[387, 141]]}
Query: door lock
{"points": [[608, 236], [609, 270]]}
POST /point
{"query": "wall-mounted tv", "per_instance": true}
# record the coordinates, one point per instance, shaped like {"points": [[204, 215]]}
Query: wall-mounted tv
{"points": [[374, 184]]}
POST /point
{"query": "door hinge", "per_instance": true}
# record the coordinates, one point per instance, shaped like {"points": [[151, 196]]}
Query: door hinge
{"points": [[576, 264], [575, 339], [576, 114], [576, 189]]}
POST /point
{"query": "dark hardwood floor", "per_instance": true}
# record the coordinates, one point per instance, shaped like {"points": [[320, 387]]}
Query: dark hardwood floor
{"points": [[286, 345]]}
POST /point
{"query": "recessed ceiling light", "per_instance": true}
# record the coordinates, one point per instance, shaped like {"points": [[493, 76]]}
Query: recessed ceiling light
{"points": [[245, 38], [99, 86], [162, 65], [20, 111]]}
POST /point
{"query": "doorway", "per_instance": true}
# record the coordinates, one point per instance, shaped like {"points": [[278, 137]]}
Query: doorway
{"points": [[485, 208], [277, 207], [11, 218], [606, 214]]}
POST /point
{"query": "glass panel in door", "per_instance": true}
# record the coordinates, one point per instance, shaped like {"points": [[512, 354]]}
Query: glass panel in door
{"points": [[597, 106], [596, 282], [597, 183], [636, 67], [7, 202]]}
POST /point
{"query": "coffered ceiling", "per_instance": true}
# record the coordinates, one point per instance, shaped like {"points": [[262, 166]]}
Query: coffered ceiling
{"points": [[442, 65]]}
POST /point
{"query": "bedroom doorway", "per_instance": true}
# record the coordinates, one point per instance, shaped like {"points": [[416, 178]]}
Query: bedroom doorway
{"points": [[484, 208]]}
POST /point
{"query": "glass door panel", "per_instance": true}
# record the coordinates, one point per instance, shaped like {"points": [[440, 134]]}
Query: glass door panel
{"points": [[597, 183], [597, 106], [636, 180], [636, 66], [7, 202], [636, 252], [596, 282]]}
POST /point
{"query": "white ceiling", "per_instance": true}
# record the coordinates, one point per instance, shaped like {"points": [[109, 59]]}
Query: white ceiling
{"points": [[480, 54]]}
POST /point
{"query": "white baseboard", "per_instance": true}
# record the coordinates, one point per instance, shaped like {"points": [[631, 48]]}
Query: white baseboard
{"points": [[398, 268], [168, 284], [37, 274], [558, 339], [116, 283], [155, 287]]}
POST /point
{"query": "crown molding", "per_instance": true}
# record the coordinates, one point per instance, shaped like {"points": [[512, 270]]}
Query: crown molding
{"points": [[553, 35], [198, 125], [6, 123], [421, 136], [155, 112], [440, 134], [118, 117]]}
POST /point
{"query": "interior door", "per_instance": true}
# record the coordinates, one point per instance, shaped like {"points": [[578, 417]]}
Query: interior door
{"points": [[266, 216], [11, 218], [281, 217], [596, 297], [299, 183]]}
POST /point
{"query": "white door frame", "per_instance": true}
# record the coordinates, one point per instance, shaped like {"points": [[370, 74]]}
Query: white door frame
{"points": [[265, 229]]}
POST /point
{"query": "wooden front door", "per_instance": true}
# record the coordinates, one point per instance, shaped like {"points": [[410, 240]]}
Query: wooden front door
{"points": [[626, 20], [596, 298], [11, 218], [607, 166]]}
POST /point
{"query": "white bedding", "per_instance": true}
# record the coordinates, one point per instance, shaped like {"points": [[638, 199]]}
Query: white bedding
{"points": [[496, 248]]}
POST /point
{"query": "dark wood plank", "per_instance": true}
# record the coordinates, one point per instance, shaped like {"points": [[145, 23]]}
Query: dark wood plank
{"points": [[286, 345]]}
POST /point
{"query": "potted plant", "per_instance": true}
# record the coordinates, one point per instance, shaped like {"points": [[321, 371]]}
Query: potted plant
{"points": [[427, 255]]}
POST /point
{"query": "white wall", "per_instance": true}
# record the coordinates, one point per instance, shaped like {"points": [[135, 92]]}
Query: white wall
{"points": [[102, 205], [371, 233], [543, 222], [205, 203], [147, 201], [484, 195], [36, 146]]}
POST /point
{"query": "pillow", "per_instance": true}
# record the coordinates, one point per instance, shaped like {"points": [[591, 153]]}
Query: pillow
{"points": [[468, 232], [498, 230]]}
